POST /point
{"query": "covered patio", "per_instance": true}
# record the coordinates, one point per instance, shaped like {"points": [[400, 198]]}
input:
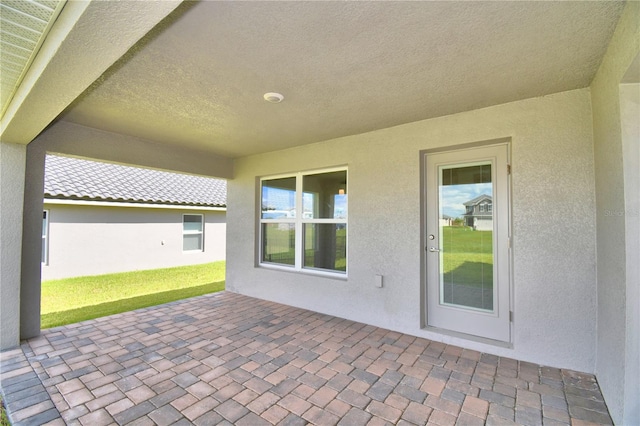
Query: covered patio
{"points": [[380, 98], [226, 358]]}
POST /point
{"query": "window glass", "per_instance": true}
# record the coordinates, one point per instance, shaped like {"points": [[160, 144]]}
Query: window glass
{"points": [[466, 275], [279, 198], [466, 175], [192, 242], [44, 224], [192, 232], [325, 246], [192, 223], [45, 230], [278, 243], [325, 195], [307, 235]]}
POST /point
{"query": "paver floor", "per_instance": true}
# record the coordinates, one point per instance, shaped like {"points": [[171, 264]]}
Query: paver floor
{"points": [[231, 359]]}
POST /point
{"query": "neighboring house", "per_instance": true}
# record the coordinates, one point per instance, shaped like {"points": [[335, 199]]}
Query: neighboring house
{"points": [[102, 218], [446, 220], [479, 213], [379, 98]]}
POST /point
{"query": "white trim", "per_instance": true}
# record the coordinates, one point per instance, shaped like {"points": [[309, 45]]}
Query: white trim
{"points": [[309, 271], [494, 325], [123, 204], [299, 221], [320, 220], [45, 237], [299, 245], [201, 232]]}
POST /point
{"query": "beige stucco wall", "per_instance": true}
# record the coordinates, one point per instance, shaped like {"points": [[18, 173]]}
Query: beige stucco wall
{"points": [[615, 163], [12, 170], [71, 139], [630, 109], [87, 240], [554, 288]]}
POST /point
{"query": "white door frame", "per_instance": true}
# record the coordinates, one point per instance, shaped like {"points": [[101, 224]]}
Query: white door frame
{"points": [[496, 325]]}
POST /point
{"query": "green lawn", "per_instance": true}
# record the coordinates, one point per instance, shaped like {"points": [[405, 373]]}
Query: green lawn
{"points": [[4, 421], [468, 255], [77, 299], [280, 247]]}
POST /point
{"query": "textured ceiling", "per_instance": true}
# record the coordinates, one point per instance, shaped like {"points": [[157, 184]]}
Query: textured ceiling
{"points": [[344, 68]]}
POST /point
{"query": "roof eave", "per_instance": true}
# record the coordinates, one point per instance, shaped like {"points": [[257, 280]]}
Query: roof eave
{"points": [[49, 199]]}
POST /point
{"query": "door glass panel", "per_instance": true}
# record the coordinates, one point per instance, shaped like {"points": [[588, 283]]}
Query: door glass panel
{"points": [[466, 236]]}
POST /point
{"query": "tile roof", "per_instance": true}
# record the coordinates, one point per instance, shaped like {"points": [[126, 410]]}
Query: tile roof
{"points": [[79, 179]]}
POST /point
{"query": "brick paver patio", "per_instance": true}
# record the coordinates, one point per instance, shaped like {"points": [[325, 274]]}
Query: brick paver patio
{"points": [[231, 359]]}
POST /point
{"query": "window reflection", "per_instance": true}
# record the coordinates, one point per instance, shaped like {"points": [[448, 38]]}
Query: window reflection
{"points": [[279, 198], [325, 196], [278, 243], [325, 246], [466, 236]]}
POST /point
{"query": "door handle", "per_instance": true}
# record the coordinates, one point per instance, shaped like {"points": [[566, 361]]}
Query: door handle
{"points": [[433, 250]]}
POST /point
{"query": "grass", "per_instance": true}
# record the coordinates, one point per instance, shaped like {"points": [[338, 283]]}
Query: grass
{"points": [[468, 256], [280, 246], [4, 420], [72, 300]]}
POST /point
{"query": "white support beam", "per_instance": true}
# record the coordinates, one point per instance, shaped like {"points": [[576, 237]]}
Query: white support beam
{"points": [[72, 139]]}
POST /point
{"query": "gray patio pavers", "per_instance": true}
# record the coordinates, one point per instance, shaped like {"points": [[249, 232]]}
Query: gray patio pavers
{"points": [[231, 359]]}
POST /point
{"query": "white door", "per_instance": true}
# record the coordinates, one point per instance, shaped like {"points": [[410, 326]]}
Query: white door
{"points": [[467, 241]]}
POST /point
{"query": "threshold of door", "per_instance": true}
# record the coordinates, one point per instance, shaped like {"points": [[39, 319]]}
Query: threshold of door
{"points": [[444, 331]]}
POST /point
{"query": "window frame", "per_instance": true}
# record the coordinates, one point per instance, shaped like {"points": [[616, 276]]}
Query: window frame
{"points": [[44, 256], [201, 232], [299, 222]]}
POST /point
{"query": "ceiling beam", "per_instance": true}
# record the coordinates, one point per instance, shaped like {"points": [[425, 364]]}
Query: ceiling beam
{"points": [[72, 139], [87, 38]]}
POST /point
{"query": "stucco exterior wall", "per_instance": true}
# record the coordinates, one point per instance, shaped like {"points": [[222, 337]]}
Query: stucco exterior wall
{"points": [[617, 345], [554, 287], [73, 139], [70, 139], [13, 160], [630, 108], [87, 240]]}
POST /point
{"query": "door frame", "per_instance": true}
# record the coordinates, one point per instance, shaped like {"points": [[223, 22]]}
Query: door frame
{"points": [[424, 242]]}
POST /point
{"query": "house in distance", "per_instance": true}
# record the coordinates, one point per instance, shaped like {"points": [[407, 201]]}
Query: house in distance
{"points": [[104, 218], [479, 213]]}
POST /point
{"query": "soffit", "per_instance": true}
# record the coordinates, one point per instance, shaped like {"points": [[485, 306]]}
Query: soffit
{"points": [[24, 25], [197, 79], [86, 38]]}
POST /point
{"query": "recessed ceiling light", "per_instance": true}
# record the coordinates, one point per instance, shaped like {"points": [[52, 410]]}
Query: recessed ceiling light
{"points": [[273, 97]]}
